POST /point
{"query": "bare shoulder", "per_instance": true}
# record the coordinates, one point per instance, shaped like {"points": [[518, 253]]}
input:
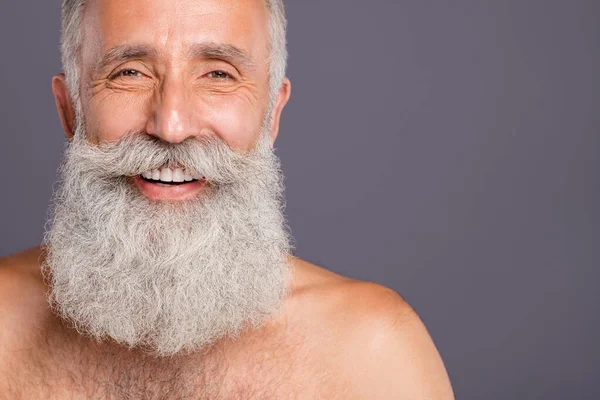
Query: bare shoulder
{"points": [[384, 350], [23, 304], [347, 299], [390, 352], [20, 274]]}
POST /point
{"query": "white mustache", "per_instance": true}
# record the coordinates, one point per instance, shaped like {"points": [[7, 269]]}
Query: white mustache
{"points": [[137, 153]]}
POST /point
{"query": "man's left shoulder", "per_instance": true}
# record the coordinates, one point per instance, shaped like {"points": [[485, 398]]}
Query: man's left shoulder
{"points": [[388, 352], [373, 304], [341, 299]]}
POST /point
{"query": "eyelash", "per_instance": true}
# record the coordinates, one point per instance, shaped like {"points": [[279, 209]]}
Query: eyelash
{"points": [[224, 76], [118, 74]]}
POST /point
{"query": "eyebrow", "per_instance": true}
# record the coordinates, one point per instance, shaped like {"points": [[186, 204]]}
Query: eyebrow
{"points": [[124, 52], [221, 51], [226, 52]]}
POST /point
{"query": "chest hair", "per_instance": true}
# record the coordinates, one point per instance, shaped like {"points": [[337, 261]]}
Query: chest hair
{"points": [[62, 368]]}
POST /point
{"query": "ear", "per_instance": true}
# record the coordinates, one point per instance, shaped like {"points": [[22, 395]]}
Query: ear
{"points": [[282, 98], [64, 104]]}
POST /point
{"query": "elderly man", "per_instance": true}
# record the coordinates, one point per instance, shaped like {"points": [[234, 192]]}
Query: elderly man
{"points": [[166, 271]]}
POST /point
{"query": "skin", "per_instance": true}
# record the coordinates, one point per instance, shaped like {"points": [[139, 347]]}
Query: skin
{"points": [[344, 338]]}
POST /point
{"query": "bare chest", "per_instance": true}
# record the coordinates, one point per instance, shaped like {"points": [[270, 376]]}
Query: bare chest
{"points": [[271, 369]]}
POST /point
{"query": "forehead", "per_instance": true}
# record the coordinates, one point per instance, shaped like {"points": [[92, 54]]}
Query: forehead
{"points": [[172, 26]]}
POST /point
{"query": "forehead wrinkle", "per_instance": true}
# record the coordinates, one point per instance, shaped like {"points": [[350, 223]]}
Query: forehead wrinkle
{"points": [[210, 50]]}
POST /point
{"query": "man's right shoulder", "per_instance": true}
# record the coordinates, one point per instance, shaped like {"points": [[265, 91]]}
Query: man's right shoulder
{"points": [[20, 275], [23, 306]]}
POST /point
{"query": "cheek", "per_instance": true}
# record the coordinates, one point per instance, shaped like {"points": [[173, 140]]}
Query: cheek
{"points": [[111, 117], [235, 121]]}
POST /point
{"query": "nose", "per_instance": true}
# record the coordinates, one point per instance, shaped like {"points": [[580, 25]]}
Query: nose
{"points": [[172, 118]]}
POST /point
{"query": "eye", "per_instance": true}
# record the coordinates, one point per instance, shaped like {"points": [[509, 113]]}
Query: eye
{"points": [[219, 75], [126, 73]]}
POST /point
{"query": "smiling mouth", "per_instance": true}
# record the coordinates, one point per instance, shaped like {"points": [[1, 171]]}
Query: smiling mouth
{"points": [[170, 184], [168, 176]]}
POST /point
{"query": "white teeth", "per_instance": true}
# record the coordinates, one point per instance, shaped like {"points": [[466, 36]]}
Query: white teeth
{"points": [[166, 175], [178, 175]]}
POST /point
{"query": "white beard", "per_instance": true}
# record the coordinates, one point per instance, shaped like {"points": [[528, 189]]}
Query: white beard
{"points": [[170, 277]]}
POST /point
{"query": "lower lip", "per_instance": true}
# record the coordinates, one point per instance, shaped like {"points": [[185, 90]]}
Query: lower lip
{"points": [[157, 191]]}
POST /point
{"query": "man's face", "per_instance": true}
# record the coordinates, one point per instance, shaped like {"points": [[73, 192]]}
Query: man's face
{"points": [[176, 69], [186, 85]]}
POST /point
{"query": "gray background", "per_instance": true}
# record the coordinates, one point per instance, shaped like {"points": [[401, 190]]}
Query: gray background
{"points": [[448, 150]]}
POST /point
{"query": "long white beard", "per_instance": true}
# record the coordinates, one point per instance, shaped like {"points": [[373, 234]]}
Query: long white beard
{"points": [[170, 277]]}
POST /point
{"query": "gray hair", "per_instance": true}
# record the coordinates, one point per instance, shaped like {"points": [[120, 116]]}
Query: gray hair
{"points": [[72, 14]]}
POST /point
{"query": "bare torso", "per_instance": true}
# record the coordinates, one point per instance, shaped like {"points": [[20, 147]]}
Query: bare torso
{"points": [[299, 355]]}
